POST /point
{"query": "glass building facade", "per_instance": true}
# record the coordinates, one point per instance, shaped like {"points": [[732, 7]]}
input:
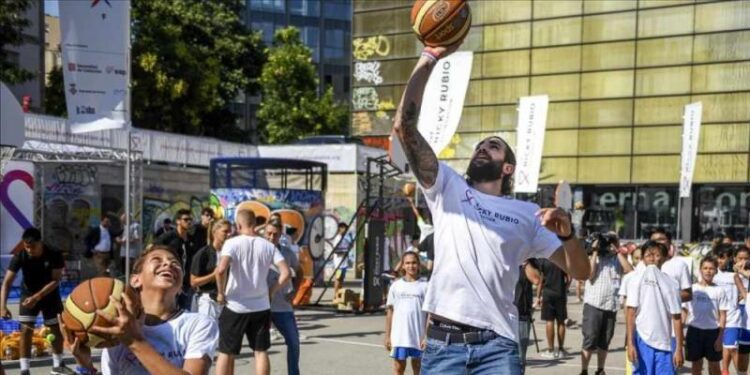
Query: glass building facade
{"points": [[325, 27], [618, 74]]}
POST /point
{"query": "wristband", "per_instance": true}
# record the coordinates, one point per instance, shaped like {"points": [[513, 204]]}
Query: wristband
{"points": [[568, 237], [430, 56]]}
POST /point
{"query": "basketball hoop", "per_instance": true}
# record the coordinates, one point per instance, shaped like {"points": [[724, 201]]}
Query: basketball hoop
{"points": [[6, 153]]}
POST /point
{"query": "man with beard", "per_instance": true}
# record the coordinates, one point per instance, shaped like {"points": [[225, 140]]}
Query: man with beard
{"points": [[482, 236]]}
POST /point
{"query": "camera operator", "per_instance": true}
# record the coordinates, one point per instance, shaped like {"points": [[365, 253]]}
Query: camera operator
{"points": [[600, 298]]}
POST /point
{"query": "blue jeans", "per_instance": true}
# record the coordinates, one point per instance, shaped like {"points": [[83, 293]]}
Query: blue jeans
{"points": [[496, 357], [287, 326]]}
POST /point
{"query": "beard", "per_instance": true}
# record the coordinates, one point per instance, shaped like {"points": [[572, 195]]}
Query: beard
{"points": [[485, 171]]}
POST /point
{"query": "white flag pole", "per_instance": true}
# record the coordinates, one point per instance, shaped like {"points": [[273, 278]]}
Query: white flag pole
{"points": [[129, 125]]}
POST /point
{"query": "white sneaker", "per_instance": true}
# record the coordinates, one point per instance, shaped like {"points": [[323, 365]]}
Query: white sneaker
{"points": [[557, 354], [563, 353], [275, 335], [548, 355]]}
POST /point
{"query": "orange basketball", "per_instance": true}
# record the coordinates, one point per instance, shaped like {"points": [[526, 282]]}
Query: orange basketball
{"points": [[408, 189], [440, 22], [81, 306]]}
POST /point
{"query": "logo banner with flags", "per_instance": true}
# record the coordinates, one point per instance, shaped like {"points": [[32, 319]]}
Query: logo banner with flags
{"points": [[532, 120], [95, 67], [691, 129], [443, 99]]}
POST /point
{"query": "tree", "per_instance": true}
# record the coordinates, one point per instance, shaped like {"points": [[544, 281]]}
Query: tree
{"points": [[190, 60], [290, 107], [54, 95], [12, 23]]}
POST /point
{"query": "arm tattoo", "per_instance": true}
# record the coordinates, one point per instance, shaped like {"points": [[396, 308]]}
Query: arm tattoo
{"points": [[422, 159]]}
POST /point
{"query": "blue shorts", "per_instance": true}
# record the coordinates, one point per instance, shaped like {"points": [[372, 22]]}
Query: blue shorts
{"points": [[651, 361], [731, 337], [403, 353]]}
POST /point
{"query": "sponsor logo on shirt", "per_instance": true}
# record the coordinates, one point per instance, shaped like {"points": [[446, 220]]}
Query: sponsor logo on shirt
{"points": [[485, 213]]}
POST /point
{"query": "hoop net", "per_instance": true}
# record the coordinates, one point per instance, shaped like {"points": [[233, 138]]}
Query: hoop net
{"points": [[6, 153]]}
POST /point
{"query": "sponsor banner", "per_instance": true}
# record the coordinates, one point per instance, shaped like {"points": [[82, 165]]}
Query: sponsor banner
{"points": [[691, 128], [338, 157], [11, 119], [16, 208], [94, 52], [444, 99], [532, 119]]}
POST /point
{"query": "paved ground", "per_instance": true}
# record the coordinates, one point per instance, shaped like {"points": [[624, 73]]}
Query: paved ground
{"points": [[345, 343]]}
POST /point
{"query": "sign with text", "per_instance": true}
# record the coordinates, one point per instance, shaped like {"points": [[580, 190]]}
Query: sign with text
{"points": [[691, 128], [95, 67], [532, 119], [443, 99]]}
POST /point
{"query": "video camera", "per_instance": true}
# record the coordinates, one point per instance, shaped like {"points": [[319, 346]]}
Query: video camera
{"points": [[602, 242]]}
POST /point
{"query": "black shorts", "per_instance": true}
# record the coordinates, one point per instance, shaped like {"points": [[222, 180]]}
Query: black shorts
{"points": [[256, 326], [743, 349], [598, 328], [699, 344], [49, 306], [554, 308]]}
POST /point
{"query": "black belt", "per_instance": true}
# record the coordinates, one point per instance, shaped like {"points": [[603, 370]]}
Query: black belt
{"points": [[476, 337]]}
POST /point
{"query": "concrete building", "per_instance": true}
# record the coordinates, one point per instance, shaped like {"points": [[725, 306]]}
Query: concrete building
{"points": [[52, 49], [618, 74], [30, 56]]}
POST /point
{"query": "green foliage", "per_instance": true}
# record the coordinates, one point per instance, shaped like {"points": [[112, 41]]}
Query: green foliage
{"points": [[190, 59], [290, 107], [12, 23], [54, 95]]}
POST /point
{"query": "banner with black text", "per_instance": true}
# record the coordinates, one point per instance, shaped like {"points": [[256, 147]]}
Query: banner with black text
{"points": [[691, 131], [532, 120]]}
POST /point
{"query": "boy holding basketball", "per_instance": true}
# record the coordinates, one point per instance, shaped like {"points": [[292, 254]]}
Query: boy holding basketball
{"points": [[153, 334], [40, 293]]}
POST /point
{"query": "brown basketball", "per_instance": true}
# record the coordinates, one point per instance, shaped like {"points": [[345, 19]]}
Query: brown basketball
{"points": [[81, 306], [441, 22]]}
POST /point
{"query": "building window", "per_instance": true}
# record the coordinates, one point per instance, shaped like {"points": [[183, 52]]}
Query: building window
{"points": [[311, 38], [338, 9], [276, 6], [334, 48], [266, 30], [310, 8]]}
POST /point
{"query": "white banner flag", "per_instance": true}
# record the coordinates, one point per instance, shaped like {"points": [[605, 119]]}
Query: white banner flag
{"points": [[691, 131], [95, 67], [532, 119], [443, 99]]}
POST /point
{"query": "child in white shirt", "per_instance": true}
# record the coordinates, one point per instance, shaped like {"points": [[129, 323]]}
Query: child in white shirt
{"points": [[707, 315], [653, 302], [405, 321]]}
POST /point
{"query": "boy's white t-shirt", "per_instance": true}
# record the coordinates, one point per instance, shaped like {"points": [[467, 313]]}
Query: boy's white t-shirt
{"points": [[725, 280], [480, 242], [678, 271], [188, 336], [656, 298], [408, 324], [703, 309], [251, 259], [623, 291]]}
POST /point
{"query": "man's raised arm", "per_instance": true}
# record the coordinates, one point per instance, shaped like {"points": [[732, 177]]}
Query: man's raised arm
{"points": [[422, 159]]}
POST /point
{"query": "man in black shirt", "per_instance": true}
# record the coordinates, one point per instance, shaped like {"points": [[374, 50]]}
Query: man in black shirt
{"points": [[199, 230], [554, 306], [183, 244], [524, 300], [427, 247], [202, 276], [42, 270]]}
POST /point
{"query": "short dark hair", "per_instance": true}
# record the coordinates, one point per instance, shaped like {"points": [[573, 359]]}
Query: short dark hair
{"points": [[138, 264], [167, 221], [653, 244], [343, 225], [723, 249], [207, 211], [414, 253], [31, 235], [741, 249], [661, 230], [181, 212], [710, 259]]}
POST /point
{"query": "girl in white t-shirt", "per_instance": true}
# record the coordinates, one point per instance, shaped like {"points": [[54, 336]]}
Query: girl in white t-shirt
{"points": [[405, 321], [153, 334], [707, 314]]}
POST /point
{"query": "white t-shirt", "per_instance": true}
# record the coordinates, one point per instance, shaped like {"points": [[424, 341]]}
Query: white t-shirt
{"points": [[703, 309], [678, 271], [623, 291], [251, 258], [725, 280], [105, 241], [425, 229], [480, 242], [408, 324], [188, 336], [339, 254], [656, 298]]}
